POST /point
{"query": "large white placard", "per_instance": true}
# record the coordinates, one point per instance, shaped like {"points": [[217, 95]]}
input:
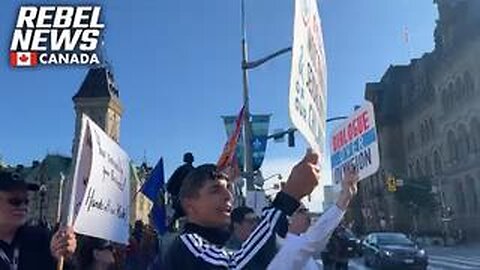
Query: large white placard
{"points": [[102, 195], [308, 79], [355, 143]]}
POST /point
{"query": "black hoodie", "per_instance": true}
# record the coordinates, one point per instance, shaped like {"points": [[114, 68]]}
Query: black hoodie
{"points": [[201, 248]]}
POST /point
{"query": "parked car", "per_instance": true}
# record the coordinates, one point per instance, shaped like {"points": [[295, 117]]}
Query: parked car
{"points": [[354, 244], [393, 251]]}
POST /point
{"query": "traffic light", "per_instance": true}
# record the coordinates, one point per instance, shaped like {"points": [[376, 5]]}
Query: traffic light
{"points": [[391, 184]]}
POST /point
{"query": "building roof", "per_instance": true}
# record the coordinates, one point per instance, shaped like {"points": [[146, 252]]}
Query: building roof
{"points": [[98, 83], [51, 167]]}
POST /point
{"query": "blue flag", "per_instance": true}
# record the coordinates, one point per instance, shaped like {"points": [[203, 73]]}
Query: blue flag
{"points": [[153, 189], [158, 216], [154, 185]]}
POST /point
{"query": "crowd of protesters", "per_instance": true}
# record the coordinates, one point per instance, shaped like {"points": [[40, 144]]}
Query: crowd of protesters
{"points": [[205, 232]]}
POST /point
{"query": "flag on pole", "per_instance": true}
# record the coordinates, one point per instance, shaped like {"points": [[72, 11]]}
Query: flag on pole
{"points": [[153, 189], [153, 186], [228, 153]]}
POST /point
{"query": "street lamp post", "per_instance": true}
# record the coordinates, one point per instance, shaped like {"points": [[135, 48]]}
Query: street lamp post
{"points": [[247, 128]]}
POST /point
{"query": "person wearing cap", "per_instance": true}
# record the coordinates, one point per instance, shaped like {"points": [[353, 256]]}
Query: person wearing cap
{"points": [[173, 186], [23, 247], [298, 224], [297, 250], [207, 201]]}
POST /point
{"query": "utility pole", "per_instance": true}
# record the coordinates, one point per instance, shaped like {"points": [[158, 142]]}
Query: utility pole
{"points": [[247, 128]]}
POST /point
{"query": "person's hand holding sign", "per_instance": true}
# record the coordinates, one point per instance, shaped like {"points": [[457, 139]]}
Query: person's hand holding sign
{"points": [[304, 176], [349, 188]]}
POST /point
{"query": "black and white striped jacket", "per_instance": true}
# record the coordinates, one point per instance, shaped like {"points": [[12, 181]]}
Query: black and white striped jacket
{"points": [[199, 248]]}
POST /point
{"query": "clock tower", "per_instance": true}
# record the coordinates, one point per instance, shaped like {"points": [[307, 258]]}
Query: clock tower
{"points": [[98, 97]]}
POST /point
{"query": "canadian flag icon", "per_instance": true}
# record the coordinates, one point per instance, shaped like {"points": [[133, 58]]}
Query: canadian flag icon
{"points": [[23, 59]]}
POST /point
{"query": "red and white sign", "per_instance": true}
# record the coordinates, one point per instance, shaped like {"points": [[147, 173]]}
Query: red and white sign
{"points": [[23, 59], [355, 144]]}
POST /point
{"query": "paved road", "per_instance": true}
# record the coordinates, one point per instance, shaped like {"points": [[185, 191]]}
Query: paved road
{"points": [[440, 258]]}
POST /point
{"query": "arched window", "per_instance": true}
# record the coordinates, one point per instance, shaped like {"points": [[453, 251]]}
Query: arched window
{"points": [[469, 83], [427, 166], [432, 127], [473, 196], [445, 100], [463, 143], [459, 89], [411, 172], [451, 144], [411, 140], [451, 96], [475, 135], [437, 161], [460, 197], [422, 133], [419, 170]]}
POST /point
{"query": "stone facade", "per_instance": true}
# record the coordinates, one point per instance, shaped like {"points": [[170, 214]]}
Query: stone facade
{"points": [[428, 119]]}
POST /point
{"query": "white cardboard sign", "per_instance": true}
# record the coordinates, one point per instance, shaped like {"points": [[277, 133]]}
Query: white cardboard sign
{"points": [[308, 79], [102, 196]]}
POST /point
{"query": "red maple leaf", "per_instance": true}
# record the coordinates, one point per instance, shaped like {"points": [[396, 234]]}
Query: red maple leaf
{"points": [[23, 58]]}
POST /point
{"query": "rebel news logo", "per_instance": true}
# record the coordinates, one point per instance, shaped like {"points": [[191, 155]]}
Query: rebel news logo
{"points": [[56, 35]]}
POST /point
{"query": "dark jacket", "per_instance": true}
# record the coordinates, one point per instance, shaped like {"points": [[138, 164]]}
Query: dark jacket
{"points": [[33, 244], [199, 248]]}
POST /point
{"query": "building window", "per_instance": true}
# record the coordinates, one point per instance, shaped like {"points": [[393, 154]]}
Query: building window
{"points": [[469, 84], [463, 143], [460, 197], [451, 96], [419, 171], [473, 194], [431, 127], [452, 148], [423, 133], [459, 90], [475, 135], [411, 140], [411, 173], [437, 160], [445, 100], [427, 166]]}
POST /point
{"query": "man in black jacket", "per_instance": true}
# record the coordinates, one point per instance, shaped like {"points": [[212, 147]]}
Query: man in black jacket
{"points": [[23, 247], [207, 201]]}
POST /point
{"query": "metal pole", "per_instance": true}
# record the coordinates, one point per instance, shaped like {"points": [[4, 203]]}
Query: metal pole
{"points": [[60, 195], [247, 129]]}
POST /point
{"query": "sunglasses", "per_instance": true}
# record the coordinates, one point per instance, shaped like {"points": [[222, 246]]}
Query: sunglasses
{"points": [[17, 202]]}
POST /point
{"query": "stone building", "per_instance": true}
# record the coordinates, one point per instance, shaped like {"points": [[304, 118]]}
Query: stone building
{"points": [[428, 120]]}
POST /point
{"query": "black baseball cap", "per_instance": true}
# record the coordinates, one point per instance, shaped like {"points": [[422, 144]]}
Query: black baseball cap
{"points": [[12, 181]]}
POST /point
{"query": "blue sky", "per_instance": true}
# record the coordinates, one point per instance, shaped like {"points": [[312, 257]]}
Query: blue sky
{"points": [[177, 66]]}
